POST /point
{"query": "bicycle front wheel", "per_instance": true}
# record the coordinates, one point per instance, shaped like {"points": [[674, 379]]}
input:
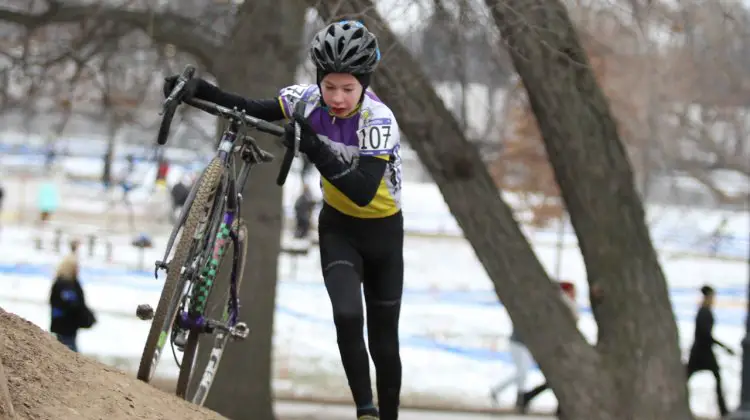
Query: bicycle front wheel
{"points": [[171, 294]]}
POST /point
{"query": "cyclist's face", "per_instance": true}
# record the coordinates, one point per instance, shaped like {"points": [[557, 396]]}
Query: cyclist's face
{"points": [[341, 92]]}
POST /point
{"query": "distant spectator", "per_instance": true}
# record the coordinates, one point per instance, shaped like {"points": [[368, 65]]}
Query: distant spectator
{"points": [[68, 310], [48, 199], [124, 180], [702, 355], [569, 297], [49, 159], [522, 362], [307, 167], [162, 170], [129, 164], [303, 209], [179, 193], [107, 170]]}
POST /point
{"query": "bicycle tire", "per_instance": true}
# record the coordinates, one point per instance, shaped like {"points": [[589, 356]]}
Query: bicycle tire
{"points": [[203, 386], [166, 309]]}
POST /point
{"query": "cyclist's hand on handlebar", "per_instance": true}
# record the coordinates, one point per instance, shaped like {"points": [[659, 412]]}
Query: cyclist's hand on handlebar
{"points": [[308, 142], [191, 87]]}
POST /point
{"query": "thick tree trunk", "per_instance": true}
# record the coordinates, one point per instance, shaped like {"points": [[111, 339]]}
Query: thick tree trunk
{"points": [[638, 340], [635, 371], [260, 59]]}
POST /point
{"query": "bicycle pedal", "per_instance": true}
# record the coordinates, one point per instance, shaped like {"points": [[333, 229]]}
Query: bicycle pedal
{"points": [[144, 312], [240, 331]]}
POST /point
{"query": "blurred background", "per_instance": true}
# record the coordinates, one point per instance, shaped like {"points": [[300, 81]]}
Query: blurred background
{"points": [[80, 92]]}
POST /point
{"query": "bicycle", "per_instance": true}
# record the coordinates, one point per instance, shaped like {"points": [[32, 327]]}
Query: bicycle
{"points": [[210, 228]]}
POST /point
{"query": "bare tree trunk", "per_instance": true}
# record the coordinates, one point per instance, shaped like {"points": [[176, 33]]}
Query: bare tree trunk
{"points": [[261, 59], [635, 371], [638, 343]]}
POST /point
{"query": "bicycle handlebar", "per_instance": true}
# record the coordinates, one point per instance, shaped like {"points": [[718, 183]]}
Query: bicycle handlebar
{"points": [[177, 96], [220, 111]]}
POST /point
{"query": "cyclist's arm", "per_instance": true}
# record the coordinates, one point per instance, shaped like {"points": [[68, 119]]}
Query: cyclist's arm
{"points": [[359, 184], [265, 109]]}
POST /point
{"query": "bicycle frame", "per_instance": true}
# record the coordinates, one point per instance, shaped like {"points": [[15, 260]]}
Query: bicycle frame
{"points": [[229, 192]]}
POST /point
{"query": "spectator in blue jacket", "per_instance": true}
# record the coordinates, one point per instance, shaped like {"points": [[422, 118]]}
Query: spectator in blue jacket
{"points": [[68, 307]]}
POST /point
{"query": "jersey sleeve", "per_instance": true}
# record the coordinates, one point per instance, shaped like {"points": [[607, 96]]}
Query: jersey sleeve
{"points": [[291, 95], [379, 135]]}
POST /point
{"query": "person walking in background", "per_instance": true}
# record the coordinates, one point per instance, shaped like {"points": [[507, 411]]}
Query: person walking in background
{"points": [[307, 167], [68, 310], [48, 198], [569, 297], [49, 159], [179, 194], [125, 181], [702, 355], [522, 362], [303, 210], [107, 169]]}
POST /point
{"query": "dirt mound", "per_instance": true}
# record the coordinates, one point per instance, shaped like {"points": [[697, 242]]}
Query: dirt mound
{"points": [[48, 381]]}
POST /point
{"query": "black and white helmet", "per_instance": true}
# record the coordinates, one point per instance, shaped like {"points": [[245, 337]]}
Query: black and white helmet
{"points": [[345, 47]]}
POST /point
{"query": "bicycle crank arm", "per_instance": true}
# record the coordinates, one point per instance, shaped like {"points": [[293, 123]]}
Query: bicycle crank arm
{"points": [[240, 331]]}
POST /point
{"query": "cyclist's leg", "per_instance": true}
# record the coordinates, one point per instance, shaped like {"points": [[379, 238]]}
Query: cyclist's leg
{"points": [[383, 285], [341, 265]]}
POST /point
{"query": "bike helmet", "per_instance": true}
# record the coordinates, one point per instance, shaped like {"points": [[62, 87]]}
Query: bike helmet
{"points": [[345, 47]]}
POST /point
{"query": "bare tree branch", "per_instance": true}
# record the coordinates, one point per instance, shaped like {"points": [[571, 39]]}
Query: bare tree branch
{"points": [[187, 34]]}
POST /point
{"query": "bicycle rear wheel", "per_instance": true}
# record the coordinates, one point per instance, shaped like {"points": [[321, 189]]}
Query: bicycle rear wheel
{"points": [[171, 294], [211, 366]]}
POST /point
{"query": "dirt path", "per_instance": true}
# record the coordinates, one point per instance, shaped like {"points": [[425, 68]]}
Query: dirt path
{"points": [[47, 381], [6, 404]]}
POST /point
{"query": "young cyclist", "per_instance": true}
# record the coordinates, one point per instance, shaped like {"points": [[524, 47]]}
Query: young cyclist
{"points": [[352, 138]]}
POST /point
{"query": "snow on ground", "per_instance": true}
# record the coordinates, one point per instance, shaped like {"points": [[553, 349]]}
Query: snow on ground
{"points": [[454, 332], [723, 233]]}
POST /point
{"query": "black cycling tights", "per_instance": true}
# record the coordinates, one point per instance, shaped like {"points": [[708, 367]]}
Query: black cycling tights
{"points": [[369, 252]]}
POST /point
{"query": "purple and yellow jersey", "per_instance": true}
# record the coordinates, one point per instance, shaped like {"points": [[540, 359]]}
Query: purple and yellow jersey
{"points": [[371, 131]]}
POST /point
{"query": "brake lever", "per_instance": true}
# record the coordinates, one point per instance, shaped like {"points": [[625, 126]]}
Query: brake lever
{"points": [[182, 80]]}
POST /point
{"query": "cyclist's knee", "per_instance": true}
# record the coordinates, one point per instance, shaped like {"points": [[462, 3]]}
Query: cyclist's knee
{"points": [[384, 310], [349, 324], [383, 318], [348, 316]]}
